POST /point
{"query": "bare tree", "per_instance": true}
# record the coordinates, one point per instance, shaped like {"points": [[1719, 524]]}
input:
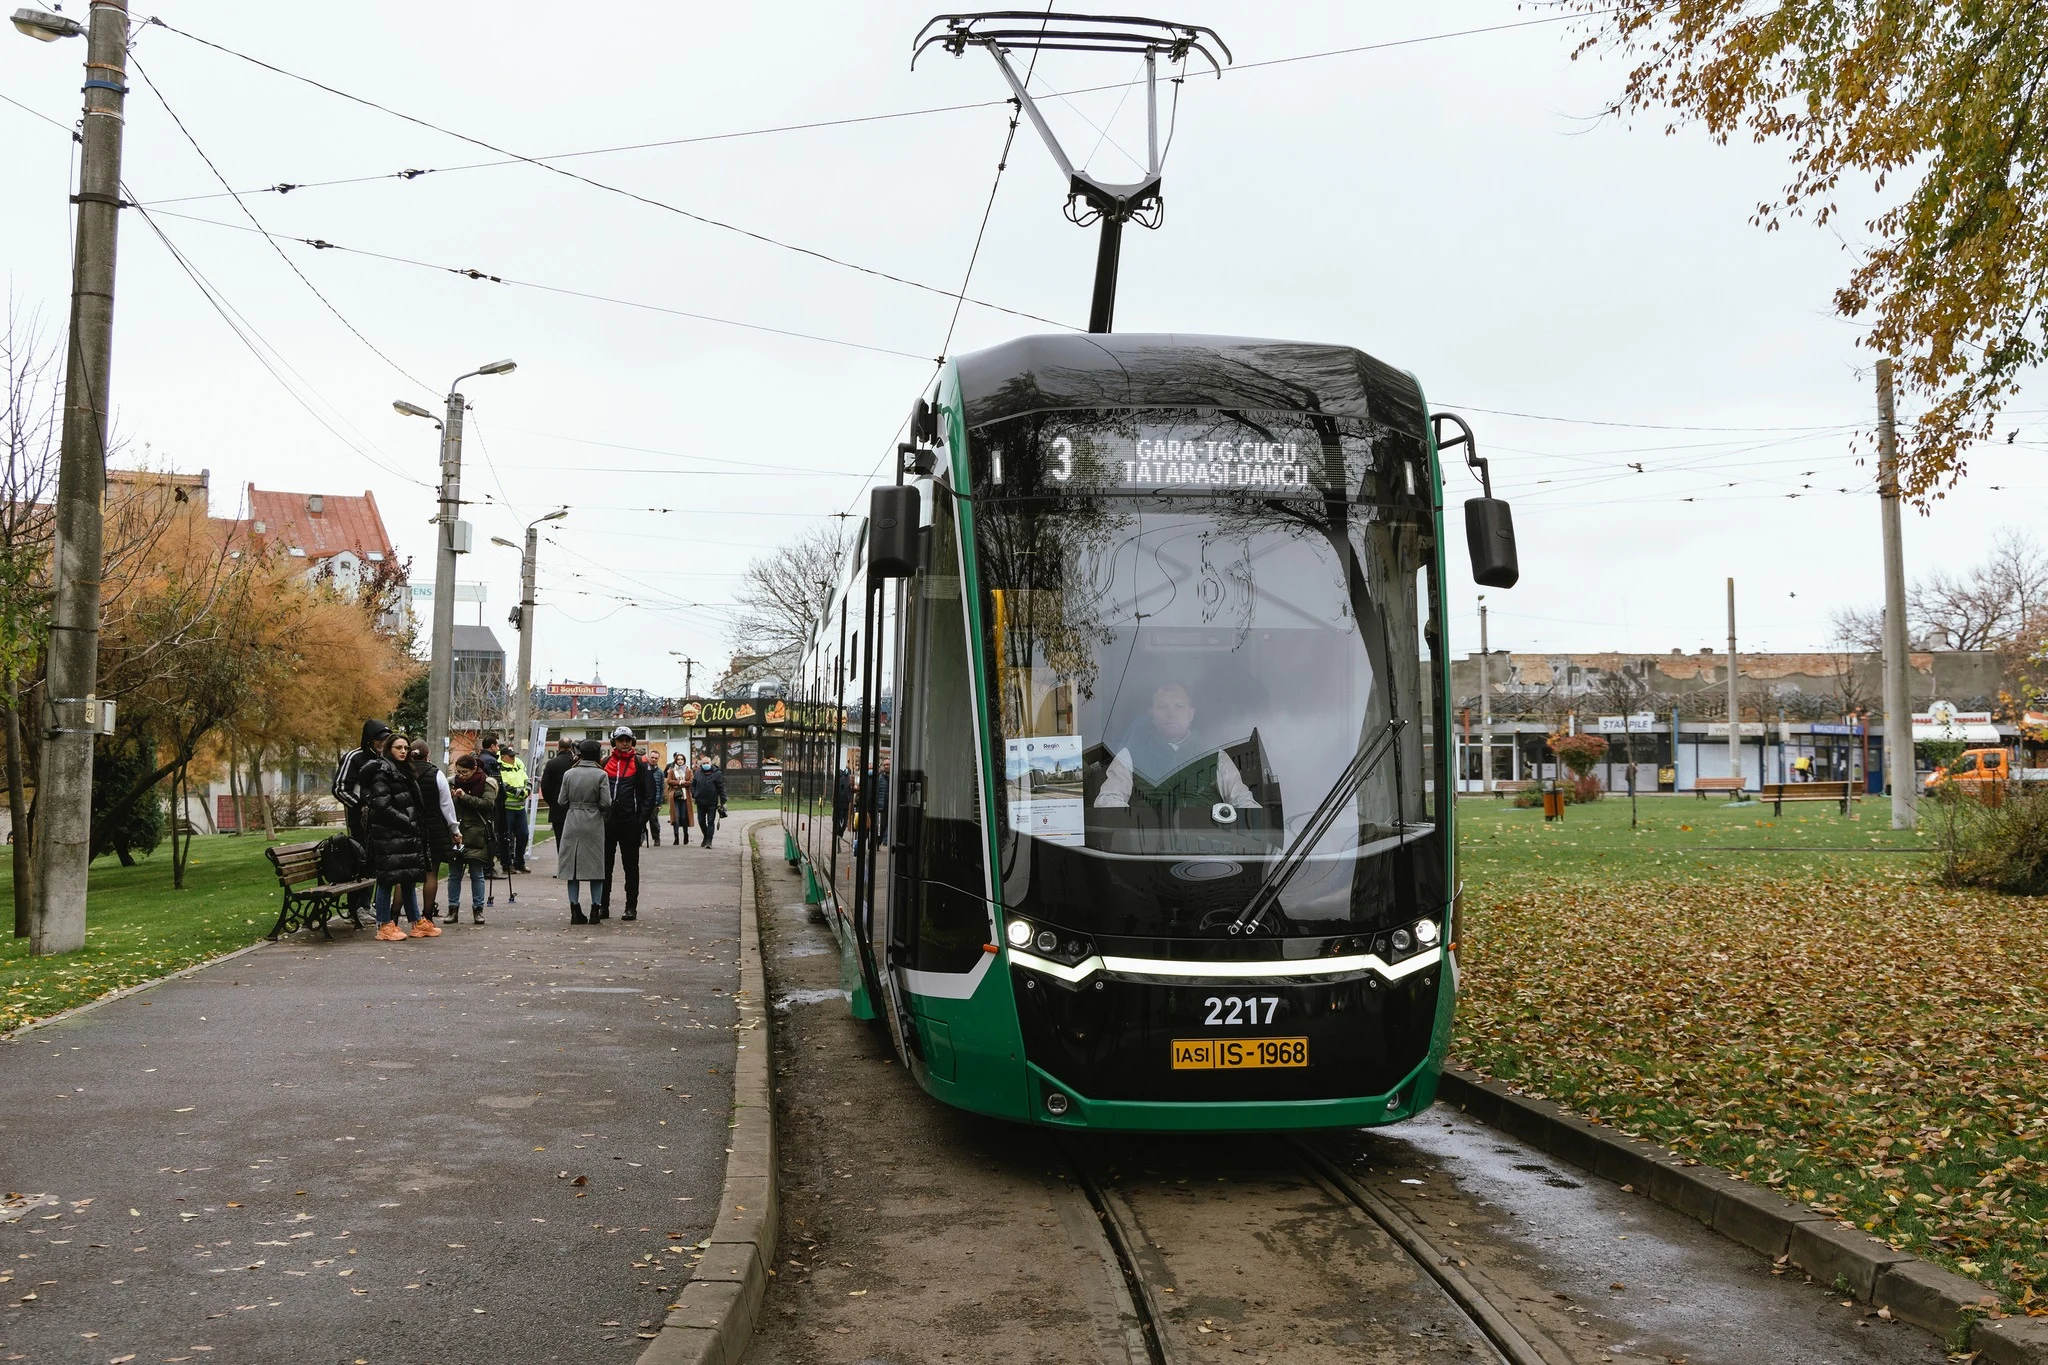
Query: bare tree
{"points": [[1626, 689], [30, 425], [786, 591]]}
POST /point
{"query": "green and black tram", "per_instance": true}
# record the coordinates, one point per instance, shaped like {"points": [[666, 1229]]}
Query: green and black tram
{"points": [[1125, 785]]}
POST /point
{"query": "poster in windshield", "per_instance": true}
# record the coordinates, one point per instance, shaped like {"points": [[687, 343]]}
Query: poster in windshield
{"points": [[1042, 777]]}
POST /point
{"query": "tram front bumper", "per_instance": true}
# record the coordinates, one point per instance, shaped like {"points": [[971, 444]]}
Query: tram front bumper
{"points": [[1118, 1051]]}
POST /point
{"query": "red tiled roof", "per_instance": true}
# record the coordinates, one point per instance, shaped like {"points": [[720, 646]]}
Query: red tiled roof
{"points": [[344, 522]]}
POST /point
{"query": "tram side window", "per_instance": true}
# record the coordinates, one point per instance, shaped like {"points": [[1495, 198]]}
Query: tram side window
{"points": [[953, 919]]}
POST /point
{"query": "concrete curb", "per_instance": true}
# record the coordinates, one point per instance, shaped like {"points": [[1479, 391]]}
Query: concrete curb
{"points": [[712, 1320], [111, 996], [1832, 1252]]}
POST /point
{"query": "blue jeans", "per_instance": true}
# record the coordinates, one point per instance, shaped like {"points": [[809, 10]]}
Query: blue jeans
{"points": [[515, 837], [387, 913], [479, 885], [596, 895]]}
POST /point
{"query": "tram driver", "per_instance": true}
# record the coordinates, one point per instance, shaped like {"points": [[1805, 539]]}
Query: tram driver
{"points": [[1166, 765]]}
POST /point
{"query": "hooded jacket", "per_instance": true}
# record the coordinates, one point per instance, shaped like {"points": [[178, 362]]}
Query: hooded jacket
{"points": [[393, 823], [348, 774], [629, 788]]}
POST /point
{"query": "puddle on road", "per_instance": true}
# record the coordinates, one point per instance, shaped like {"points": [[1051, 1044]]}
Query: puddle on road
{"points": [[807, 950], [785, 1003]]}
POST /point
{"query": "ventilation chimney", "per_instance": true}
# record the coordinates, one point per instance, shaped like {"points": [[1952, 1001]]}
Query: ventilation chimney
{"points": [[316, 504]]}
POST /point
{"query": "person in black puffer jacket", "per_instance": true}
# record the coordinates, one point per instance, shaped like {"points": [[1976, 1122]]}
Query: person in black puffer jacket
{"points": [[398, 853]]}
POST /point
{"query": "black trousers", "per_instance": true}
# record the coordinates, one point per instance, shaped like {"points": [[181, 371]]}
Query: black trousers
{"points": [[623, 839], [654, 825], [707, 821]]}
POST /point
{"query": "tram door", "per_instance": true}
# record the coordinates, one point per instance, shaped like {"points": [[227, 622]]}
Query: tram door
{"points": [[938, 910]]}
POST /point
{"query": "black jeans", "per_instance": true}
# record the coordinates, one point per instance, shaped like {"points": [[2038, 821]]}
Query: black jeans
{"points": [[707, 821], [625, 840]]}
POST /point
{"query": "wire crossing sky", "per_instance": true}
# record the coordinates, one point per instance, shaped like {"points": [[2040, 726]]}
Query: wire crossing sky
{"points": [[726, 295]]}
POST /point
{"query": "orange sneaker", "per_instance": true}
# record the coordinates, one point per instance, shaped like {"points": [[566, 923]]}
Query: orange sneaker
{"points": [[425, 928], [390, 933]]}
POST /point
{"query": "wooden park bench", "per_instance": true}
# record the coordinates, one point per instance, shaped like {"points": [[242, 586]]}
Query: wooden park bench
{"points": [[1702, 785], [1778, 793], [307, 899], [1506, 787]]}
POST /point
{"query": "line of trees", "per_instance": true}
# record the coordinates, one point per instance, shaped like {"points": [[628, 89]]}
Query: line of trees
{"points": [[221, 653]]}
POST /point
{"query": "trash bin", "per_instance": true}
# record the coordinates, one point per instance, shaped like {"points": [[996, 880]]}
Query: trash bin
{"points": [[1553, 801]]}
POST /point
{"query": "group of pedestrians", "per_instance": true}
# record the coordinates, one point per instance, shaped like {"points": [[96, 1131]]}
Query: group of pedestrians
{"points": [[604, 806], [410, 820]]}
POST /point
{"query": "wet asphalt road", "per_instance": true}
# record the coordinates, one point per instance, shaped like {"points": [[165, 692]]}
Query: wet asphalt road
{"points": [[914, 1233], [473, 1148]]}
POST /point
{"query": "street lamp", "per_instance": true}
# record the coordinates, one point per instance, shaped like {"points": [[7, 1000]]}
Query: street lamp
{"points": [[522, 617], [452, 540], [70, 715], [46, 27]]}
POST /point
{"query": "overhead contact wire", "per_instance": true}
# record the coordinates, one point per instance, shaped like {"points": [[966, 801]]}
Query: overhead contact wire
{"points": [[602, 185]]}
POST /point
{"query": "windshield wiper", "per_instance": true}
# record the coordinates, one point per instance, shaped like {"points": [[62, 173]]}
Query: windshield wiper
{"points": [[1295, 856]]}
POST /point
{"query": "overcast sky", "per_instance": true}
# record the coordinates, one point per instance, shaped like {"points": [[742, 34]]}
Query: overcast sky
{"points": [[1451, 207]]}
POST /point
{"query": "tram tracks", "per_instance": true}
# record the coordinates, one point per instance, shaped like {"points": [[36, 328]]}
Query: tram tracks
{"points": [[1287, 1251]]}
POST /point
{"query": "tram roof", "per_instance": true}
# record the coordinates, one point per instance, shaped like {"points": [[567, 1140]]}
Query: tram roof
{"points": [[1173, 369]]}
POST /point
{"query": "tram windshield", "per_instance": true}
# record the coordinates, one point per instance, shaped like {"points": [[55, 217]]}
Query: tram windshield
{"points": [[1214, 683]]}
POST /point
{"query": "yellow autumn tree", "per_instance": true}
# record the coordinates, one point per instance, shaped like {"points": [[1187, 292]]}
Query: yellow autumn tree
{"points": [[1936, 104]]}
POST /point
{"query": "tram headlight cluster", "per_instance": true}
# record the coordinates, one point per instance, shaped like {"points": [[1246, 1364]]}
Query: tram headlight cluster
{"points": [[1408, 940], [1060, 945]]}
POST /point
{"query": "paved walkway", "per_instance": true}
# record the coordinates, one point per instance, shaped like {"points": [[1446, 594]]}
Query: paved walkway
{"points": [[476, 1147]]}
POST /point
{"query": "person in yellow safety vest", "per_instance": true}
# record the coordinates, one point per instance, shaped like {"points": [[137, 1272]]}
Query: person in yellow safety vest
{"points": [[512, 779]]}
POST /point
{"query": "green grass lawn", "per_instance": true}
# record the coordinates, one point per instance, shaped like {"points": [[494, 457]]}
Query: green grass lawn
{"points": [[137, 927], [1794, 999]]}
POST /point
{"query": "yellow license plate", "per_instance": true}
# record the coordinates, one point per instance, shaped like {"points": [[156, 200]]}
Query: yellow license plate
{"points": [[1238, 1054]]}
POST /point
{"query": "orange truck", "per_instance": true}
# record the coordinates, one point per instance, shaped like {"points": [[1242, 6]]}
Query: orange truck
{"points": [[1982, 770]]}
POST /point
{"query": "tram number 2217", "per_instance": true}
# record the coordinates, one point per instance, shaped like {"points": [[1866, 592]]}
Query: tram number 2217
{"points": [[1226, 1010]]}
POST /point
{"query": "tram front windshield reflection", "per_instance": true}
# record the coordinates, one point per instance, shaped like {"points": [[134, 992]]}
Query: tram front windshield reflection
{"points": [[1191, 691]]}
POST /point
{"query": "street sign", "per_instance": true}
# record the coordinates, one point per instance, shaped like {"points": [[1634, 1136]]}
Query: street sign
{"points": [[1639, 723]]}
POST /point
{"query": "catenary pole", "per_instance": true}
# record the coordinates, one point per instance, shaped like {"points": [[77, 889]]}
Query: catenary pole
{"points": [[1485, 709], [522, 700], [63, 825], [441, 671], [1898, 702], [1734, 708]]}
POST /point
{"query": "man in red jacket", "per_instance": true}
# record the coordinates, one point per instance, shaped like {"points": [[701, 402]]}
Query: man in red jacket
{"points": [[628, 819]]}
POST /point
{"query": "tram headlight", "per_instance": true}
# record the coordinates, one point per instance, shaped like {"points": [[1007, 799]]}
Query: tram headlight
{"points": [[1426, 932], [1047, 941], [1018, 932], [1403, 941]]}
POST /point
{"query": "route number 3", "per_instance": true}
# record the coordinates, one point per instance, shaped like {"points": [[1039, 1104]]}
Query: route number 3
{"points": [[1226, 1010], [1065, 450]]}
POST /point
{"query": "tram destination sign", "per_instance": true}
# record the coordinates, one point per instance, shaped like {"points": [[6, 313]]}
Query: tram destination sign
{"points": [[1256, 466]]}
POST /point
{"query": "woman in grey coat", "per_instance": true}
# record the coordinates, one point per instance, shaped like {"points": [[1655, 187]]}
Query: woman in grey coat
{"points": [[579, 851]]}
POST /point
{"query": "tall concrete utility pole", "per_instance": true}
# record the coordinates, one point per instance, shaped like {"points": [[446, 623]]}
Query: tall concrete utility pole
{"points": [[1485, 708], [63, 831], [452, 539], [1734, 707], [1899, 773], [522, 700], [448, 527]]}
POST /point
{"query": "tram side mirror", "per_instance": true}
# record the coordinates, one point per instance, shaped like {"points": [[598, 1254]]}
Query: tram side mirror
{"points": [[1489, 525], [1490, 535], [892, 532]]}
